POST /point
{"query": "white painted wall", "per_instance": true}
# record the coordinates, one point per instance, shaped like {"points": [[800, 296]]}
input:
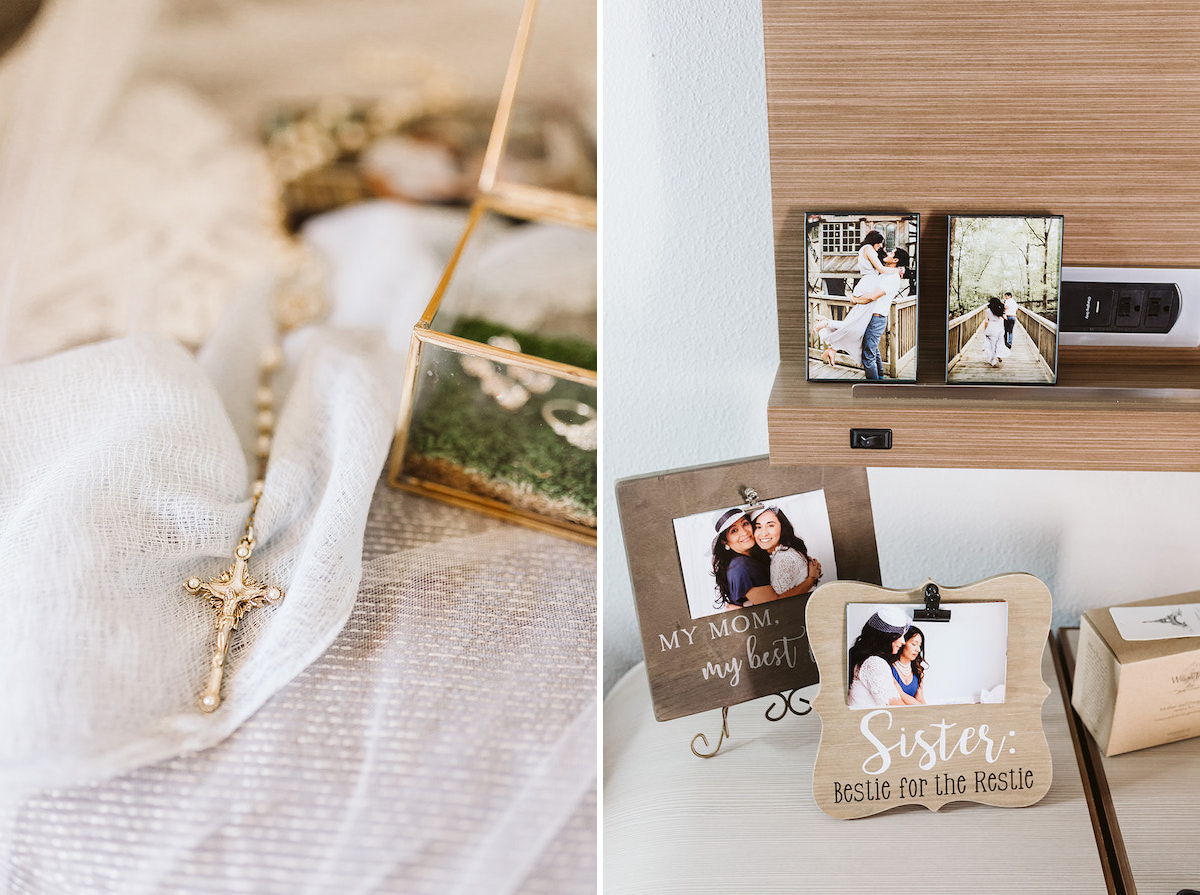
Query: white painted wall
{"points": [[690, 344]]}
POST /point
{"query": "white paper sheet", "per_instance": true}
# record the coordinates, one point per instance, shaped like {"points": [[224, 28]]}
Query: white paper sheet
{"points": [[1157, 622]]}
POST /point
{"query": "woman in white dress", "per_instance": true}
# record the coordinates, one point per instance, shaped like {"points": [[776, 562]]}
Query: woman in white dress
{"points": [[869, 263], [847, 334], [870, 267], [871, 681], [793, 571], [994, 349]]}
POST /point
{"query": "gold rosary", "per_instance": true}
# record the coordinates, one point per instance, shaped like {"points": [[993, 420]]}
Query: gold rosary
{"points": [[234, 592]]}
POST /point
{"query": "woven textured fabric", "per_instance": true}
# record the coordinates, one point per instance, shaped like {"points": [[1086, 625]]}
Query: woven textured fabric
{"points": [[401, 521], [444, 743]]}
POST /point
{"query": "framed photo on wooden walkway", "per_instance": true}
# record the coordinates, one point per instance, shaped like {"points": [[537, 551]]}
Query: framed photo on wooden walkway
{"points": [[1004, 277]]}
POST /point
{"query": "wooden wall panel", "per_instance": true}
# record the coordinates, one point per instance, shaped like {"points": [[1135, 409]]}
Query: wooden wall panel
{"points": [[1089, 110]]}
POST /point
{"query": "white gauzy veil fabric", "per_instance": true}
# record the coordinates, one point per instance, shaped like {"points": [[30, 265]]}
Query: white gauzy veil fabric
{"points": [[123, 475], [55, 89], [424, 725]]}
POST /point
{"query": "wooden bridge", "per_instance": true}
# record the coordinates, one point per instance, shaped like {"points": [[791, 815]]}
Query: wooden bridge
{"points": [[897, 348], [1034, 350]]}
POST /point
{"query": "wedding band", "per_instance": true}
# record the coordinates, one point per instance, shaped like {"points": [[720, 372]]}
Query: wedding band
{"points": [[581, 435], [508, 393]]}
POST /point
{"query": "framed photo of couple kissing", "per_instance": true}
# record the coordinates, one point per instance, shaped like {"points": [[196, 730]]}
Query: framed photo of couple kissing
{"points": [[722, 559], [860, 296]]}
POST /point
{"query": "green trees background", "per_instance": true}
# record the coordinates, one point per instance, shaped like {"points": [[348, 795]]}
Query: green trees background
{"points": [[993, 255]]}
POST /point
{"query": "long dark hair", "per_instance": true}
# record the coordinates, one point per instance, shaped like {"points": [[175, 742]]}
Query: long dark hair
{"points": [[787, 536], [918, 664], [873, 237], [871, 642], [722, 556], [996, 306]]}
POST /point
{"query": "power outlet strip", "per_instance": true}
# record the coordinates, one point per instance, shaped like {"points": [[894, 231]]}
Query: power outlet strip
{"points": [[1135, 307]]}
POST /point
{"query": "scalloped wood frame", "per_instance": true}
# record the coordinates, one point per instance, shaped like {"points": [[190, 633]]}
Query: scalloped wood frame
{"points": [[996, 754]]}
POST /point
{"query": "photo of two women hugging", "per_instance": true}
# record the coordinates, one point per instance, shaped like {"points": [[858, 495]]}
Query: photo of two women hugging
{"points": [[887, 662], [747, 556]]}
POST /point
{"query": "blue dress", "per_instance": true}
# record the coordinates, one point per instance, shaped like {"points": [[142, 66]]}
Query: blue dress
{"points": [[745, 573], [911, 687]]}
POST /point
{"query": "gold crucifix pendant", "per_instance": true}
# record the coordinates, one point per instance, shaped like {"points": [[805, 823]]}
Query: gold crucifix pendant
{"points": [[231, 593]]}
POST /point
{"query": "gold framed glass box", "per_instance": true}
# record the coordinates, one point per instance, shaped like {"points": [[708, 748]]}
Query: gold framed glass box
{"points": [[500, 408]]}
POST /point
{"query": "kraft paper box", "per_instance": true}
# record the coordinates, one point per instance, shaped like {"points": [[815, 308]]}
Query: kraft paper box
{"points": [[1132, 694]]}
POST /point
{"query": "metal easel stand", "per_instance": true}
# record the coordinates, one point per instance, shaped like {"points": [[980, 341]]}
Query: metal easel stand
{"points": [[776, 711]]}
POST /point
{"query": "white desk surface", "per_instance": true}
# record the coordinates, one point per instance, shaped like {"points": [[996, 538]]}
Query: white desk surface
{"points": [[745, 821], [1153, 794]]}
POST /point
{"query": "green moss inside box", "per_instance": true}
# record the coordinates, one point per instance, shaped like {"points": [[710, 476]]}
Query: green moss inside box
{"points": [[464, 439]]}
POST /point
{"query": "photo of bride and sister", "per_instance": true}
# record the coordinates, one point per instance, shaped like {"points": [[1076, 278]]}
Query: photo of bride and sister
{"points": [[892, 662], [887, 662], [744, 556], [860, 274]]}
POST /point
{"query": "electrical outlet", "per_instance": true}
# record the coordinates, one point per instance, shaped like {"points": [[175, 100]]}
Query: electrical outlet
{"points": [[1130, 304], [1162, 309], [1135, 307]]}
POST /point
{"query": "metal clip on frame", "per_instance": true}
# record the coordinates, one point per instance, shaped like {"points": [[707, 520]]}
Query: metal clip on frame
{"points": [[932, 611], [751, 497]]}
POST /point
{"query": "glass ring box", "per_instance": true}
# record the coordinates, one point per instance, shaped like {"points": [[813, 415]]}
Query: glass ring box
{"points": [[499, 411]]}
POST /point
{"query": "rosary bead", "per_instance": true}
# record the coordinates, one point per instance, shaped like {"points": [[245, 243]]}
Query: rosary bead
{"points": [[271, 358]]}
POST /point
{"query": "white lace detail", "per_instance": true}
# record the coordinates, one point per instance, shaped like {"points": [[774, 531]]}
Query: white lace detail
{"points": [[873, 684], [789, 568]]}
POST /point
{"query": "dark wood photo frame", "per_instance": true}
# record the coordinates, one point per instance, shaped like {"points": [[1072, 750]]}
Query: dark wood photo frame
{"points": [[685, 656]]}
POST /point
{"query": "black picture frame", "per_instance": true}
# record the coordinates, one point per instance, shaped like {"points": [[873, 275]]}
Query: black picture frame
{"points": [[990, 257], [836, 315]]}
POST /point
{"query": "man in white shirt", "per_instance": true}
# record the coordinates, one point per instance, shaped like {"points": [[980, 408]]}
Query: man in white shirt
{"points": [[1010, 318], [881, 305]]}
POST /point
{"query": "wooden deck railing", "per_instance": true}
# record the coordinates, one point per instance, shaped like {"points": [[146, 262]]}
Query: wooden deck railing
{"points": [[899, 341], [961, 330], [1044, 334]]}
